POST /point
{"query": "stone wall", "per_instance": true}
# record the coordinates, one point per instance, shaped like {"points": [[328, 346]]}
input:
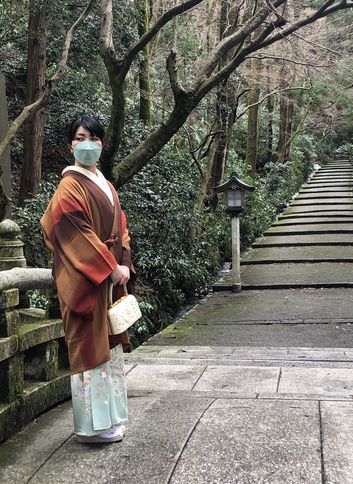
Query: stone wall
{"points": [[34, 374]]}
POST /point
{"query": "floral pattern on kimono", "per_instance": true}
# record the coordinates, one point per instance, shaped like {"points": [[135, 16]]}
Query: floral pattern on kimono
{"points": [[99, 396]]}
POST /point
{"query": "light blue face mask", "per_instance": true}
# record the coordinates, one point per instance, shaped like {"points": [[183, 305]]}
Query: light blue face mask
{"points": [[87, 152]]}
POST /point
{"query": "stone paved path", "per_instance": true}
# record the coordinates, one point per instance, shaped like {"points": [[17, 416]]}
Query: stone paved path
{"points": [[247, 388]]}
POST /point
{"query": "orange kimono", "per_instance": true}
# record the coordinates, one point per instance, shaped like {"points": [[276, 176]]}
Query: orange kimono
{"points": [[88, 237]]}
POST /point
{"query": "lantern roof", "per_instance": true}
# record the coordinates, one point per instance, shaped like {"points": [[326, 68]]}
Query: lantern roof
{"points": [[233, 183]]}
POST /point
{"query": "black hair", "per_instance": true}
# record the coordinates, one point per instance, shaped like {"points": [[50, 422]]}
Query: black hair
{"points": [[89, 123]]}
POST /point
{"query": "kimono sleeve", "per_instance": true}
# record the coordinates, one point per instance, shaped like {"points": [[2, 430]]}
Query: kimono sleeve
{"points": [[126, 255], [74, 234]]}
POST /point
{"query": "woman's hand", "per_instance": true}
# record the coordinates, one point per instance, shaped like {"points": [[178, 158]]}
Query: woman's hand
{"points": [[120, 275]]}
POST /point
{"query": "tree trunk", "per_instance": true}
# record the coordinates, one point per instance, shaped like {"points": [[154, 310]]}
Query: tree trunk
{"points": [[5, 164], [208, 77], [219, 153], [270, 110], [33, 132], [289, 127], [278, 156], [144, 66], [285, 126], [253, 115]]}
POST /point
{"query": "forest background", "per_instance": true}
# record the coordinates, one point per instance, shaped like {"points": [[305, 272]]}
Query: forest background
{"points": [[189, 92]]}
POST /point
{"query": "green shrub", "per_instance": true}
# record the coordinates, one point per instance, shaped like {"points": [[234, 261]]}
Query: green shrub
{"points": [[345, 150], [28, 217], [274, 188], [177, 249]]}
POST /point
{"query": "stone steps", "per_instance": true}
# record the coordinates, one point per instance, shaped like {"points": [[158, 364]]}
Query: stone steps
{"points": [[297, 274], [299, 254], [301, 240], [240, 356], [309, 229], [319, 220], [243, 372], [310, 245]]}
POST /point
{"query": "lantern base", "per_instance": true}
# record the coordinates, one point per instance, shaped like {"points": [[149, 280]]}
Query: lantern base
{"points": [[234, 212], [236, 287], [226, 285]]}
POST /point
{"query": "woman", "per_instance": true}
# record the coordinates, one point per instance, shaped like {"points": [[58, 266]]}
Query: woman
{"points": [[85, 229]]}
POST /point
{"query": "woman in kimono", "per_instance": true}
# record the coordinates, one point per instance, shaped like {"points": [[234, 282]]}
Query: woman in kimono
{"points": [[85, 229]]}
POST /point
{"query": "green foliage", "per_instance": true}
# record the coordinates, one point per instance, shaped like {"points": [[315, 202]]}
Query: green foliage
{"points": [[38, 298], [345, 150], [28, 217], [274, 188], [258, 215], [177, 248]]}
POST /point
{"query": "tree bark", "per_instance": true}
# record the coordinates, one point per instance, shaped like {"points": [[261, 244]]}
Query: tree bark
{"points": [[144, 65], [270, 111], [219, 154], [253, 116], [33, 132], [136, 160], [286, 112], [278, 156], [289, 127], [5, 162], [117, 71]]}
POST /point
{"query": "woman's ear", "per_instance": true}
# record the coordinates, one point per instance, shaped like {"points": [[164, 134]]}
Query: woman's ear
{"points": [[70, 148]]}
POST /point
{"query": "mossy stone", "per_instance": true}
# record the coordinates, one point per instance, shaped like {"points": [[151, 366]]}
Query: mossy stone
{"points": [[11, 254], [34, 401], [9, 298], [53, 307], [52, 360], [41, 362], [9, 230], [11, 379], [8, 322]]}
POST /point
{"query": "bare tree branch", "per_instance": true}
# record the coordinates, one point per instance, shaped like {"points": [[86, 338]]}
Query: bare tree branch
{"points": [[286, 59], [261, 42], [114, 131], [50, 84], [236, 38], [176, 86], [208, 140], [272, 93], [327, 9], [106, 31], [315, 44], [118, 70], [208, 79], [153, 31]]}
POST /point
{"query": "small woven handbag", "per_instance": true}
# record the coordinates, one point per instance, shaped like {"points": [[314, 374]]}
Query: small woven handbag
{"points": [[123, 313]]}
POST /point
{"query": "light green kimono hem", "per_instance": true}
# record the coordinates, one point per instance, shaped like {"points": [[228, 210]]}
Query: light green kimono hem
{"points": [[99, 396]]}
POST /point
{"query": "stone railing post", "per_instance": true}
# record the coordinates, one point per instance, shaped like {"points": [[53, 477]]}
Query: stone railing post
{"points": [[33, 357], [11, 247], [11, 252], [12, 371]]}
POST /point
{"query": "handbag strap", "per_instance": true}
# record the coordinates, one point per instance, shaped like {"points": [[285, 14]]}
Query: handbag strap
{"points": [[111, 285]]}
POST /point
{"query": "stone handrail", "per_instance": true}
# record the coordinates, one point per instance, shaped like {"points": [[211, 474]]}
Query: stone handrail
{"points": [[25, 279], [34, 373]]}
